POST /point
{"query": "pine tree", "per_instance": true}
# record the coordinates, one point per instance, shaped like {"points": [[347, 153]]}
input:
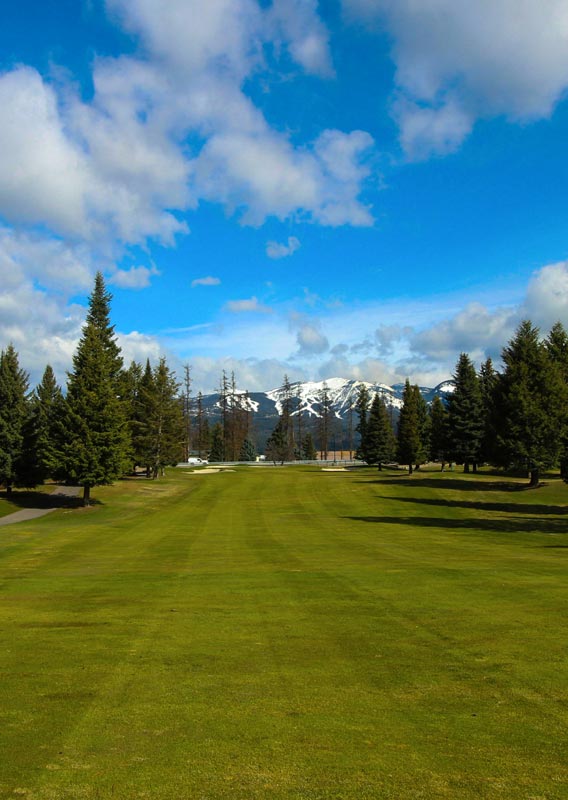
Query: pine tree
{"points": [[286, 413], [187, 410], [130, 391], [96, 448], [278, 446], [465, 415], [98, 317], [217, 443], [43, 433], [238, 420], [438, 432], [162, 428], [380, 438], [557, 348], [531, 399], [203, 432], [248, 451], [233, 409], [13, 412], [325, 421], [362, 407], [487, 385], [309, 452], [350, 429], [141, 409], [224, 403], [300, 419], [423, 418], [409, 444]]}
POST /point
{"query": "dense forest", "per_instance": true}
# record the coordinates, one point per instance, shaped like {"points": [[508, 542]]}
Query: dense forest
{"points": [[113, 420]]}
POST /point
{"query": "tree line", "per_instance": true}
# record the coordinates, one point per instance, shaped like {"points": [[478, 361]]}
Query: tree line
{"points": [[109, 421], [113, 419], [515, 418]]}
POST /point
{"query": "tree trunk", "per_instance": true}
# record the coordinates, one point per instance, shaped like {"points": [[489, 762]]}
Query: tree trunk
{"points": [[410, 469], [86, 495], [8, 490], [466, 466], [474, 466], [380, 467], [534, 475]]}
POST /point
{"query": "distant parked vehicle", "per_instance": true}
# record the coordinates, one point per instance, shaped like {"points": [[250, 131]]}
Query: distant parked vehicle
{"points": [[196, 462]]}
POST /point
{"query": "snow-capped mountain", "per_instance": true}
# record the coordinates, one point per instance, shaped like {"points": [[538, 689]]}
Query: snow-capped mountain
{"points": [[342, 394], [306, 398]]}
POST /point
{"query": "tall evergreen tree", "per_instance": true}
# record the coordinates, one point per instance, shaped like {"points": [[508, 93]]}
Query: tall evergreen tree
{"points": [[13, 412], [465, 415], [141, 409], [217, 443], [557, 347], [98, 318], [409, 444], [224, 404], [350, 429], [248, 451], [423, 419], [162, 429], [43, 433], [362, 408], [325, 421], [187, 410], [287, 407], [130, 393], [237, 420], [309, 452], [531, 401], [299, 419], [278, 447], [487, 385], [203, 432], [380, 439], [438, 432], [96, 448]]}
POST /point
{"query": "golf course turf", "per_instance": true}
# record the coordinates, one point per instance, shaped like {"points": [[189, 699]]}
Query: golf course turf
{"points": [[288, 633]]}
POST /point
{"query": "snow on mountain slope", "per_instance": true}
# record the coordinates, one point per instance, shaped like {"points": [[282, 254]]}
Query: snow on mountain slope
{"points": [[307, 397]]}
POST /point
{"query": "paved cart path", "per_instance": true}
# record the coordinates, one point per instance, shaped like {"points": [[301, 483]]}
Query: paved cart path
{"points": [[32, 513]]}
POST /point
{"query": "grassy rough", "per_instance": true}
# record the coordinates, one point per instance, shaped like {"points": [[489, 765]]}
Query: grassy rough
{"points": [[288, 633]]}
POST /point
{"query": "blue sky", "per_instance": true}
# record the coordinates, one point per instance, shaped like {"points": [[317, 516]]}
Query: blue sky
{"points": [[354, 188]]}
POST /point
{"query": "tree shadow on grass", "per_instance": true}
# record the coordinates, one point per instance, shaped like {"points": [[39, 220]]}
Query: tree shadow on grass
{"points": [[502, 525], [479, 505], [457, 484], [42, 500]]}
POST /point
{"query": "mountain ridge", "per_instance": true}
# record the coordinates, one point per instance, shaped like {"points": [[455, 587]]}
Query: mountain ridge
{"points": [[265, 407]]}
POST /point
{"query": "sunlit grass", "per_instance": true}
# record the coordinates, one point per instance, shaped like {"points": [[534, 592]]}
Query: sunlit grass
{"points": [[288, 633]]}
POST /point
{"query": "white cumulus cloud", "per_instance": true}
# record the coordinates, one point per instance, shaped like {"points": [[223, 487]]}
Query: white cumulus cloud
{"points": [[460, 61], [134, 278], [311, 341], [277, 250]]}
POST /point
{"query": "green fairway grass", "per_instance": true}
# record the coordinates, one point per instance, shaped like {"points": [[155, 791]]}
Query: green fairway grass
{"points": [[288, 633]]}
